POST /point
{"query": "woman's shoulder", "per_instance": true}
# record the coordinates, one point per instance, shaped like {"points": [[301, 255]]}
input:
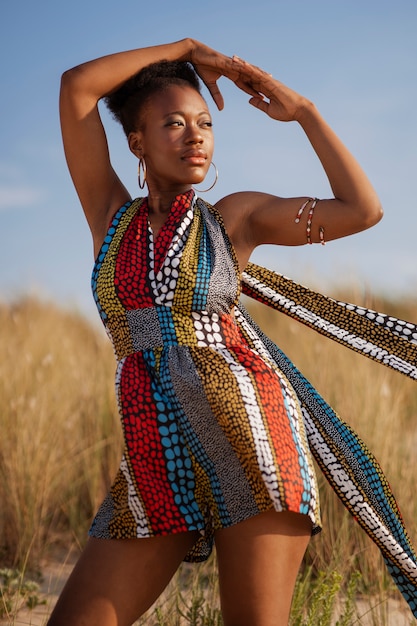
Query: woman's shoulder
{"points": [[240, 200], [236, 208]]}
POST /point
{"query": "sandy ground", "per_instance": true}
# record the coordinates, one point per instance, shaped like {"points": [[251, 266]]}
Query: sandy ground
{"points": [[55, 575]]}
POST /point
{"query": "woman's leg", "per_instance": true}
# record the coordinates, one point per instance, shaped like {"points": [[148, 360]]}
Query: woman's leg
{"points": [[115, 581], [258, 564]]}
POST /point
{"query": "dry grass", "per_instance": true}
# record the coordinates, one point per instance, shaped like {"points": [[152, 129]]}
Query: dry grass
{"points": [[60, 432], [61, 439]]}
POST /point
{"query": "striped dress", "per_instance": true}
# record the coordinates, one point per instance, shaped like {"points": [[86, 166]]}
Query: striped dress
{"points": [[218, 423], [213, 430]]}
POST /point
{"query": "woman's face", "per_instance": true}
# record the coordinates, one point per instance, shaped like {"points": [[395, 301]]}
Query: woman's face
{"points": [[177, 139]]}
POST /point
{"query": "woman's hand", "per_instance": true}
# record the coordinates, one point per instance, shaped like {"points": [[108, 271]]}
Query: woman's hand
{"points": [[268, 94], [210, 65]]}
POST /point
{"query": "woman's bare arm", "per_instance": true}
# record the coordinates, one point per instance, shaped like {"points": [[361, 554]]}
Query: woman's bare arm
{"points": [[265, 218]]}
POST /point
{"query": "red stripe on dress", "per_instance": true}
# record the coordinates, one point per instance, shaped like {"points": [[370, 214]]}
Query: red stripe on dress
{"points": [[145, 451]]}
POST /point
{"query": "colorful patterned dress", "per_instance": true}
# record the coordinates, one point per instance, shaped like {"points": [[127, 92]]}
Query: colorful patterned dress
{"points": [[218, 423], [213, 430]]}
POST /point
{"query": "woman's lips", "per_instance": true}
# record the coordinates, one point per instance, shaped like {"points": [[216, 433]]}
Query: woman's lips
{"points": [[196, 158]]}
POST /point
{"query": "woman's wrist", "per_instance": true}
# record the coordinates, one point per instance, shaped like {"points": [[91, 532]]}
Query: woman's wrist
{"points": [[187, 46], [307, 113]]}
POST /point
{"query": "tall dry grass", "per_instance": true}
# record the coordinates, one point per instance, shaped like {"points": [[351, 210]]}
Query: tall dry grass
{"points": [[60, 434]]}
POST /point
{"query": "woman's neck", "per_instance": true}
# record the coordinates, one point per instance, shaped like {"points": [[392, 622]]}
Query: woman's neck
{"points": [[160, 202]]}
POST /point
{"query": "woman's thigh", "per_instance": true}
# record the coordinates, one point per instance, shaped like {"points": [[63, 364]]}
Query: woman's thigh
{"points": [[115, 581], [258, 561]]}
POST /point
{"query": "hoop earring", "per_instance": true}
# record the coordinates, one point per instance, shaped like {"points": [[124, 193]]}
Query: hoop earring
{"points": [[216, 174], [142, 165]]}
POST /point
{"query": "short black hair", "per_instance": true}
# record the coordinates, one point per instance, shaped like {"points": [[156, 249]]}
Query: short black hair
{"points": [[127, 103]]}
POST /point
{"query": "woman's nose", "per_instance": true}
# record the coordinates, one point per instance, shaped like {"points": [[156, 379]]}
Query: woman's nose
{"points": [[194, 134]]}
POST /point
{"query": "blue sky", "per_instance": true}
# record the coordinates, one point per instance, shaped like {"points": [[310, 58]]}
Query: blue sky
{"points": [[356, 59]]}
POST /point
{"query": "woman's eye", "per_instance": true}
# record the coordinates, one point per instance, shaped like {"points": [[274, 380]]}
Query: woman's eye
{"points": [[179, 123]]}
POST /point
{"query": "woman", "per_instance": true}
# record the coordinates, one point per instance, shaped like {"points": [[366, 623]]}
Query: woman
{"points": [[215, 447]]}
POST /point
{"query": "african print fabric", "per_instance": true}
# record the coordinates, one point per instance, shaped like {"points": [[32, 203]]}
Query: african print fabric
{"points": [[351, 470], [214, 432], [383, 338], [218, 423], [347, 464]]}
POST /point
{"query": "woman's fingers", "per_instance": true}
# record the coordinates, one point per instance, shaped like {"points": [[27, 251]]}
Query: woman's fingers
{"points": [[210, 66], [268, 94], [260, 103], [249, 70], [215, 94], [260, 85], [253, 80]]}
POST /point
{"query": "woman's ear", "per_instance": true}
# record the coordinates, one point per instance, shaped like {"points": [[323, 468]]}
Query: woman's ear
{"points": [[135, 143]]}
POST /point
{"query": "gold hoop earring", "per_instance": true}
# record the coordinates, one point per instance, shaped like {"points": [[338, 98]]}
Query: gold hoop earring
{"points": [[141, 165], [216, 174]]}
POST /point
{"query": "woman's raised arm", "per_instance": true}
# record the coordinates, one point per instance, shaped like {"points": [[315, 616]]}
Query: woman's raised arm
{"points": [[269, 219], [99, 188]]}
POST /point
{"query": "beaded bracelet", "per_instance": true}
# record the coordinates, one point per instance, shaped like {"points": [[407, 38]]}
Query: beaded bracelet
{"points": [[314, 202]]}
